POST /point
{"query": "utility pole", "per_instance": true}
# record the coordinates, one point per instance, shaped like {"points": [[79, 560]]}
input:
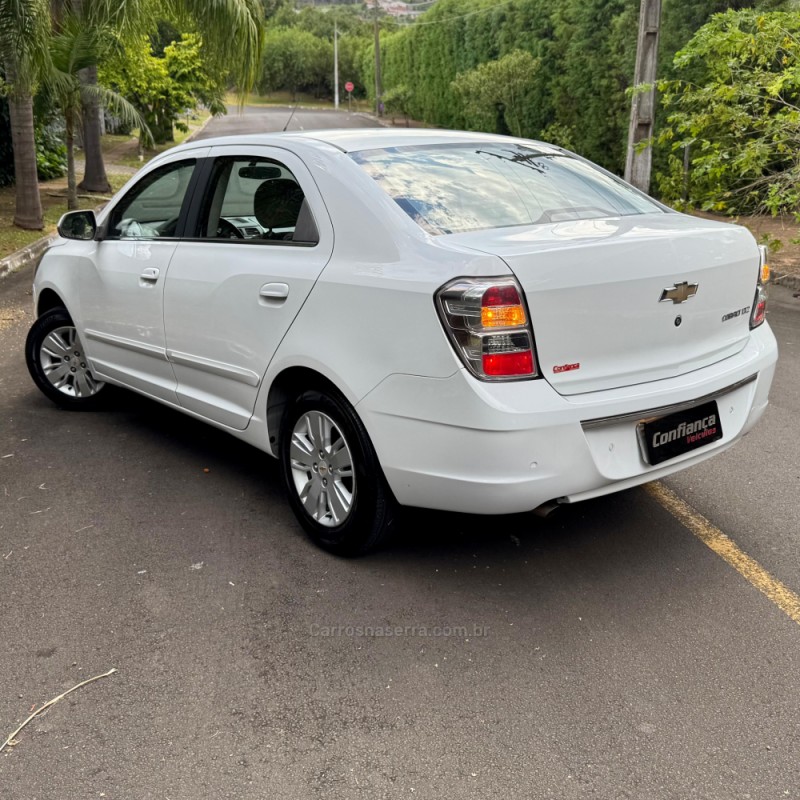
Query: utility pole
{"points": [[639, 162], [377, 62], [336, 65]]}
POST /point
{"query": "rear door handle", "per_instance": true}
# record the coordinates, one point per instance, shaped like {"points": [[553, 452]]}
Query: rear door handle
{"points": [[274, 291], [150, 275]]}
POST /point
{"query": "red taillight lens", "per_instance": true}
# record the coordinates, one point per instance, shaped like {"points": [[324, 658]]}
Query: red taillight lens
{"points": [[508, 363], [501, 296], [487, 323], [759, 313], [759, 308]]}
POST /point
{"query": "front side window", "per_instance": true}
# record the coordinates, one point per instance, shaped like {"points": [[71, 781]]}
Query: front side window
{"points": [[466, 187], [151, 209], [255, 199]]}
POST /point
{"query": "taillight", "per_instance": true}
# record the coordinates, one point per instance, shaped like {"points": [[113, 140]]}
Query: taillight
{"points": [[487, 323], [759, 313]]}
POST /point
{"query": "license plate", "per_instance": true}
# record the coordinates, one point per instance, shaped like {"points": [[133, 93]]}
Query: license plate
{"points": [[679, 433]]}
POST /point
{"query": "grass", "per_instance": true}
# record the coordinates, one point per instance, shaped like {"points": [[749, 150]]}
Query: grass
{"points": [[54, 204], [118, 150]]}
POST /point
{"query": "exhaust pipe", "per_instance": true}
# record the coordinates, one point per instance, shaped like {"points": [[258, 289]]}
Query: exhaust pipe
{"points": [[546, 510]]}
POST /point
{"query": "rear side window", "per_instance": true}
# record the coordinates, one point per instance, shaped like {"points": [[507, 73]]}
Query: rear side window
{"points": [[257, 200], [465, 187]]}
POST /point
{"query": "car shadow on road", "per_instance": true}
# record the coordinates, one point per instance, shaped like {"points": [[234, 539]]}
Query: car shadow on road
{"points": [[598, 540]]}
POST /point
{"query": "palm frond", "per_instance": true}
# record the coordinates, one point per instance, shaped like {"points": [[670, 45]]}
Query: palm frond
{"points": [[24, 32], [120, 107], [232, 32]]}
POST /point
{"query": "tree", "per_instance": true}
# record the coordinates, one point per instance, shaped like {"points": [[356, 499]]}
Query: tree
{"points": [[739, 113], [293, 59], [186, 66], [72, 49], [162, 89], [585, 48], [396, 101], [24, 28], [596, 51], [232, 32], [494, 94]]}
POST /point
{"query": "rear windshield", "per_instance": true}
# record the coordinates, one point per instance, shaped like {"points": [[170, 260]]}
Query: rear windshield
{"points": [[467, 187]]}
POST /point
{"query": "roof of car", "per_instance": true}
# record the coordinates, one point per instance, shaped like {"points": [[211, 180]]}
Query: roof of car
{"points": [[354, 139]]}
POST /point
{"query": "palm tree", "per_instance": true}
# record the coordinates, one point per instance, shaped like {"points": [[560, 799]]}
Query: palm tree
{"points": [[24, 28], [72, 49], [232, 32]]}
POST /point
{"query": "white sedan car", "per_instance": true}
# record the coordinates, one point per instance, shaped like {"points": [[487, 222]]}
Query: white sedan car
{"points": [[446, 320]]}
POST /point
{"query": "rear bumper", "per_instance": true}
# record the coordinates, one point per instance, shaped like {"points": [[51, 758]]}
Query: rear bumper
{"points": [[457, 444]]}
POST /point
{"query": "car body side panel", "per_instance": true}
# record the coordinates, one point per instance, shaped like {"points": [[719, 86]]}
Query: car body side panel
{"points": [[362, 322], [221, 332], [119, 315]]}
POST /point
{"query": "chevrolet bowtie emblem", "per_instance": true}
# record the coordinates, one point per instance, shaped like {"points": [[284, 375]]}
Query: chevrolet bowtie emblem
{"points": [[679, 293]]}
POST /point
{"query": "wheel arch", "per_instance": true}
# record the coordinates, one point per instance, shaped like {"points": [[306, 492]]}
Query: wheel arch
{"points": [[290, 382], [47, 300]]}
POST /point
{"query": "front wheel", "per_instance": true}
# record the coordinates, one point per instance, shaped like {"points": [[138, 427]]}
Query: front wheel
{"points": [[332, 476], [57, 362]]}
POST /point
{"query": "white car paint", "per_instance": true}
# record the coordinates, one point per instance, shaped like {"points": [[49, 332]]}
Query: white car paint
{"points": [[227, 307], [360, 311]]}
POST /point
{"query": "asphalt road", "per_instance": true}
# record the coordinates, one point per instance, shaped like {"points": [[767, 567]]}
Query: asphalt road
{"points": [[268, 119], [603, 653]]}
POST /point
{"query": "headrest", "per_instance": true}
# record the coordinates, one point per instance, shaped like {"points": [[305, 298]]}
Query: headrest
{"points": [[277, 202]]}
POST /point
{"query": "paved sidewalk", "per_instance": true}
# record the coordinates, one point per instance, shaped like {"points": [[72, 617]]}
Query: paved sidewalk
{"points": [[111, 169]]}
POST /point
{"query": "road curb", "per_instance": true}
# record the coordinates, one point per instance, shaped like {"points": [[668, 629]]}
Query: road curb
{"points": [[190, 137], [791, 280], [26, 255]]}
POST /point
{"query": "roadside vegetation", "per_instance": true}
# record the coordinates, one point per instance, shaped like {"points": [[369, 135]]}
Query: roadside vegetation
{"points": [[122, 159], [69, 68], [728, 127]]}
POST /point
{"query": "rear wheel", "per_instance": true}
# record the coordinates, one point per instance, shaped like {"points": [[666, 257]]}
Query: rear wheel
{"points": [[57, 362], [332, 476]]}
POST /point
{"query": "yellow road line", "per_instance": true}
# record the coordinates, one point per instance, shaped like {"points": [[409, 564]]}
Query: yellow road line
{"points": [[783, 597]]}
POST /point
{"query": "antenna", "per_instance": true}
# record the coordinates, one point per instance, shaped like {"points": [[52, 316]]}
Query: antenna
{"points": [[290, 116]]}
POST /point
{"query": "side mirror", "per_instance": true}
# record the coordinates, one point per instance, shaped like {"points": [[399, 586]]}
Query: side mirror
{"points": [[78, 225]]}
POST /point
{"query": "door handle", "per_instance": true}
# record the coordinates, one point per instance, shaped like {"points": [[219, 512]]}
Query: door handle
{"points": [[150, 275], [274, 291]]}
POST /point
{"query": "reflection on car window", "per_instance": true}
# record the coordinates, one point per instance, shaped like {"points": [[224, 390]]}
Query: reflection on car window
{"points": [[465, 187], [255, 199], [152, 207]]}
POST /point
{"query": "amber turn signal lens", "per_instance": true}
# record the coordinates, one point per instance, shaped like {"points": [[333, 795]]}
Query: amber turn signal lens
{"points": [[502, 316], [765, 272]]}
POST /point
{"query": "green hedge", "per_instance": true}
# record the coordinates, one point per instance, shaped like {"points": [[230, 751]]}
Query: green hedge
{"points": [[586, 53]]}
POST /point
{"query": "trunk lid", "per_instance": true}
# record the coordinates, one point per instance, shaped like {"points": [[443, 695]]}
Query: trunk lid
{"points": [[594, 290]]}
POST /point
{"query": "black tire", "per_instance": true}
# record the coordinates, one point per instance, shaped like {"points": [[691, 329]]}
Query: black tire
{"points": [[346, 512], [57, 363]]}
